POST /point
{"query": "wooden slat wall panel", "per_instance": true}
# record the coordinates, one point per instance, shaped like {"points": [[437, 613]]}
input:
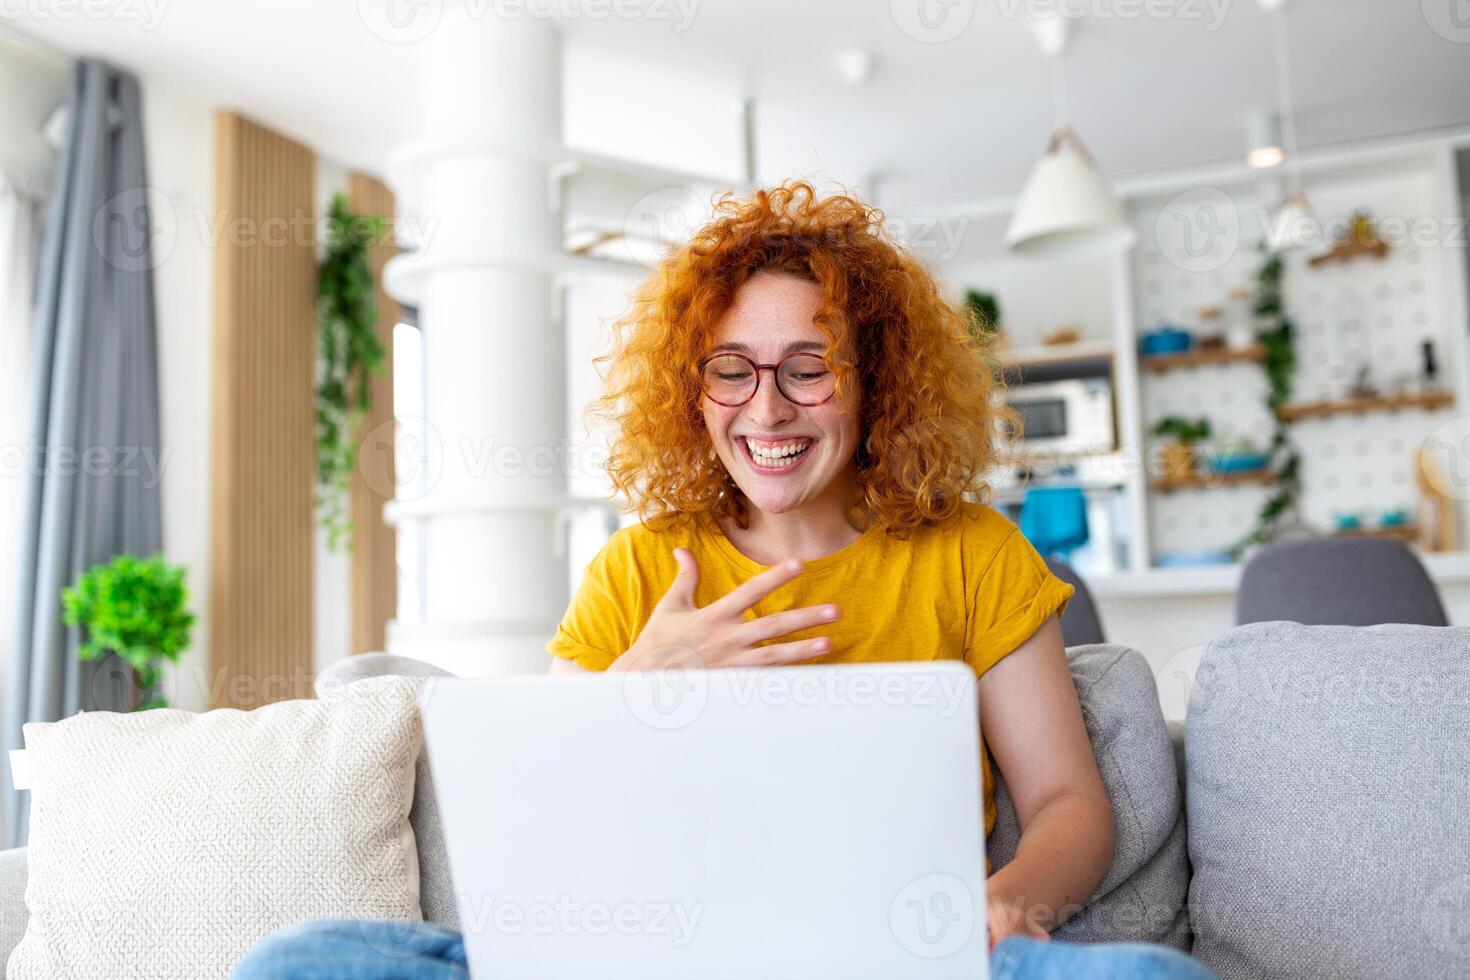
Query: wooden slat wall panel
{"points": [[374, 574], [263, 446]]}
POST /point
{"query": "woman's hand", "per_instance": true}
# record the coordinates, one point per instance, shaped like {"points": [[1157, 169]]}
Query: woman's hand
{"points": [[1010, 917], [680, 634]]}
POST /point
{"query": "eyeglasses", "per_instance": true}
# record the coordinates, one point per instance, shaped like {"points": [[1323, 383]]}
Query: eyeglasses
{"points": [[732, 379]]}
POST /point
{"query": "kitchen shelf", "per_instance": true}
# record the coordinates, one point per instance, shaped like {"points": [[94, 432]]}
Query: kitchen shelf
{"points": [[1055, 353], [1203, 481], [1343, 251], [1401, 532], [1377, 403], [1200, 357]]}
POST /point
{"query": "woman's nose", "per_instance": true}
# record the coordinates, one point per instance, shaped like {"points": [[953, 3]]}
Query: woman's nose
{"points": [[768, 405]]}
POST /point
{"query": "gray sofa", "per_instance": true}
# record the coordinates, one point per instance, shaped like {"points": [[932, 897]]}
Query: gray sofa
{"points": [[1308, 821]]}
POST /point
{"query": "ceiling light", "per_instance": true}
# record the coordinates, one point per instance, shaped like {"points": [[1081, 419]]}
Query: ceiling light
{"points": [[1295, 213], [1263, 140], [856, 65], [1067, 206]]}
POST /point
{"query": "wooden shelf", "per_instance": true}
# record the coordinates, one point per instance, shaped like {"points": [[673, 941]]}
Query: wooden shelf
{"points": [[1378, 403], [1204, 481], [1402, 532], [1343, 251], [1055, 353], [1256, 353]]}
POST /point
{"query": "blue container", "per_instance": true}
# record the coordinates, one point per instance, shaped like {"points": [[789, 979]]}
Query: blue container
{"points": [[1165, 340], [1240, 463], [1186, 559]]}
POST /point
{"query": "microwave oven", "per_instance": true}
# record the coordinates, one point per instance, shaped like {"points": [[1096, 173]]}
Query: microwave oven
{"points": [[1074, 415]]}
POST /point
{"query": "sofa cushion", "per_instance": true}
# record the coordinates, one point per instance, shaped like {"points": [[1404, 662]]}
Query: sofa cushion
{"points": [[436, 891], [12, 900], [1142, 897], [1329, 779], [164, 843]]}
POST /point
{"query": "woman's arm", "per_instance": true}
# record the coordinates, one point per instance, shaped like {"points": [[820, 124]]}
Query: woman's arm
{"points": [[561, 665], [1032, 723]]}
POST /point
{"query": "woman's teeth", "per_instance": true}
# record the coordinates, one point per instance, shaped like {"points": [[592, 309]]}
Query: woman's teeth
{"points": [[777, 457]]}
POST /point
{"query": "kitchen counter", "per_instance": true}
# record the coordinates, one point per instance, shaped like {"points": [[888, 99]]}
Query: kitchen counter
{"points": [[1445, 568]]}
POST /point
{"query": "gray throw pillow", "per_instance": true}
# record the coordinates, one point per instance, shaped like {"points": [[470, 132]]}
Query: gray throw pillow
{"points": [[1329, 788], [436, 890], [1142, 897]]}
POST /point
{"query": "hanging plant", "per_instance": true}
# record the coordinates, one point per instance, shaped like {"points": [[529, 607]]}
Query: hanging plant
{"points": [[350, 353], [1280, 366]]}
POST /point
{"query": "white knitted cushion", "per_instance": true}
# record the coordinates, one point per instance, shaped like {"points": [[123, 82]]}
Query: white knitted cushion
{"points": [[164, 844]]}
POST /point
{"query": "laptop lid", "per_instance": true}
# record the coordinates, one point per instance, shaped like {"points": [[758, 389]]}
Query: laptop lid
{"points": [[819, 821]]}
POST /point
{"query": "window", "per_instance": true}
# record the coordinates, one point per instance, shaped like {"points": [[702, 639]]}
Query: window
{"points": [[412, 476]]}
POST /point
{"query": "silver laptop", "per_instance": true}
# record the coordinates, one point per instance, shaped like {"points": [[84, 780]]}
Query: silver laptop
{"points": [[806, 822]]}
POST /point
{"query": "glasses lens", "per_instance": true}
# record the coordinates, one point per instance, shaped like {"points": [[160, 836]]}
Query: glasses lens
{"points": [[728, 379], [806, 380]]}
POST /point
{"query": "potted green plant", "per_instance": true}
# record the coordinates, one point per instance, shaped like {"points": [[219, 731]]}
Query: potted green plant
{"points": [[1179, 456], [986, 309], [133, 608]]}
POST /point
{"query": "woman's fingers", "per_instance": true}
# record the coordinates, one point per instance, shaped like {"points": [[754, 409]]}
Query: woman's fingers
{"points": [[734, 603], [680, 593], [780, 654], [789, 621]]}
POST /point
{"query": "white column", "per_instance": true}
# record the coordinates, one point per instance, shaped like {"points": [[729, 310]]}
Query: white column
{"points": [[476, 188]]}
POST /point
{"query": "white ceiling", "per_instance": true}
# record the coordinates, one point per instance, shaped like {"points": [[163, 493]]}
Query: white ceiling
{"points": [[960, 118]]}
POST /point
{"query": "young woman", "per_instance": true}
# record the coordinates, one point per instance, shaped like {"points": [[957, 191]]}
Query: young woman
{"points": [[805, 421]]}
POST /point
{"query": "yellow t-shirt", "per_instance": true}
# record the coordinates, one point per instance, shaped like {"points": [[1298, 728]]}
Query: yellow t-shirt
{"points": [[972, 590]]}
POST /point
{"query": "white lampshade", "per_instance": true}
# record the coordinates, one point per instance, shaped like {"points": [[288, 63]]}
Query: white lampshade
{"points": [[1293, 225], [1263, 140], [1067, 206]]}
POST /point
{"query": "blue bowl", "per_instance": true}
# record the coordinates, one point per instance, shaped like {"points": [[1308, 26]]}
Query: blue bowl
{"points": [[1240, 463], [1165, 340], [1185, 559]]}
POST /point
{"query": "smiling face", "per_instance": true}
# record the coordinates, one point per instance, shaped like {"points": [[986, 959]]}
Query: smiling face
{"points": [[784, 457]]}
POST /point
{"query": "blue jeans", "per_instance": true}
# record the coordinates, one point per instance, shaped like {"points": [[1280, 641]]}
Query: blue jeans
{"points": [[348, 949]]}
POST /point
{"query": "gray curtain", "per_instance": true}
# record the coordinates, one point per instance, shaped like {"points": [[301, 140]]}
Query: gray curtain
{"points": [[93, 455]]}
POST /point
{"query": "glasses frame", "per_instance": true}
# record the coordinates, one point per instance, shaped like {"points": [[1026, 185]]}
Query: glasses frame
{"points": [[775, 370]]}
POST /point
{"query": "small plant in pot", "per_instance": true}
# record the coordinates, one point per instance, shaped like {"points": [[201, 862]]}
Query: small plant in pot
{"points": [[132, 608], [1179, 457]]}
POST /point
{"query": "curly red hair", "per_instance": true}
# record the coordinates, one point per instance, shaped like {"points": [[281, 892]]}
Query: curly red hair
{"points": [[928, 412]]}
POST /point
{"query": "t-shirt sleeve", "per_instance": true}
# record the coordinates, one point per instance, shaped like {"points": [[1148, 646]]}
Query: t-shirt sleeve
{"points": [[596, 629], [1015, 595]]}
